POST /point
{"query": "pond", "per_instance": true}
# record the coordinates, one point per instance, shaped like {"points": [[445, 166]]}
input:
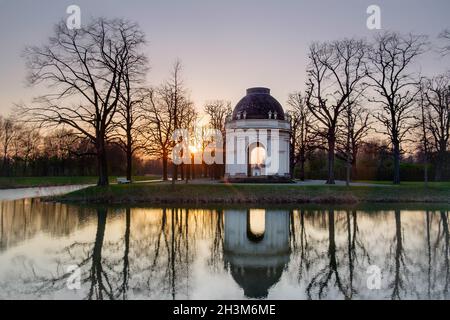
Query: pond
{"points": [[59, 251]]}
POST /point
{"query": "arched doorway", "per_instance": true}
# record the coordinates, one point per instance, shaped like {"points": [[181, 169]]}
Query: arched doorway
{"points": [[256, 160], [256, 224]]}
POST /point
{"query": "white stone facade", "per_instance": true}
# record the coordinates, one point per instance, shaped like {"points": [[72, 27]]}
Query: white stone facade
{"points": [[243, 135]]}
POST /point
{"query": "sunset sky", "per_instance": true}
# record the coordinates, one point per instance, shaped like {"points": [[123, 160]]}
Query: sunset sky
{"points": [[225, 46]]}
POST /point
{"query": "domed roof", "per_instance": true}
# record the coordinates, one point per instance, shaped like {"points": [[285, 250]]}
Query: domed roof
{"points": [[256, 281], [258, 104]]}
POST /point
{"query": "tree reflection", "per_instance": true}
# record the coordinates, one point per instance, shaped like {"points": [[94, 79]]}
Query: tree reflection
{"points": [[149, 253], [304, 247], [428, 235], [339, 263], [445, 253], [400, 269], [321, 280], [126, 261], [99, 286], [215, 260]]}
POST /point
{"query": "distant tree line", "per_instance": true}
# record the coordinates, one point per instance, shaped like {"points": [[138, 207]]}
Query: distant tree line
{"points": [[365, 112]]}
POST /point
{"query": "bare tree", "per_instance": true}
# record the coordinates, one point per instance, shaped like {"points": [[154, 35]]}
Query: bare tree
{"points": [[437, 100], [128, 133], [302, 135], [7, 134], [390, 59], [83, 69], [356, 125], [334, 74], [158, 125], [166, 109], [188, 119], [218, 111], [176, 94], [422, 124], [129, 111], [28, 146]]}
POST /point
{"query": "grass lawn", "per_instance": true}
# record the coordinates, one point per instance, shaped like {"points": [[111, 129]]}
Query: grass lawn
{"points": [[22, 182], [255, 193], [416, 184]]}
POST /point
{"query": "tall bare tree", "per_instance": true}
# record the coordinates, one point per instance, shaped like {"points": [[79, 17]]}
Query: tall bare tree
{"points": [[218, 111], [166, 109], [422, 124], [129, 111], [176, 94], [335, 73], [390, 61], [356, 125], [188, 119], [158, 126], [302, 134], [83, 70], [437, 102]]}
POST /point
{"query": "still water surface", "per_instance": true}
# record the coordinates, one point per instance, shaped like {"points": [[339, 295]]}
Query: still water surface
{"points": [[310, 252]]}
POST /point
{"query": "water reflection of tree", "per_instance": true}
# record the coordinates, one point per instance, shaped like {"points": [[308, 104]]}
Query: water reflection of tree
{"points": [[154, 257], [162, 258], [340, 265], [429, 253], [169, 269], [446, 252], [432, 261], [215, 260], [97, 285], [91, 259], [401, 272], [300, 244], [397, 285], [24, 218], [322, 278]]}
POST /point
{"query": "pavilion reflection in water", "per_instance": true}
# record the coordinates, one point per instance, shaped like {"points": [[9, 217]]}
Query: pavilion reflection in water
{"points": [[256, 248]]}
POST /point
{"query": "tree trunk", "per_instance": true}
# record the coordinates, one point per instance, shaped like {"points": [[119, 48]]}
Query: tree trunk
{"points": [[331, 148], [302, 169], [129, 161], [354, 167], [97, 268], [439, 165], [192, 167], [291, 161], [348, 164], [164, 164], [348, 170], [291, 169], [5, 163], [102, 164], [396, 179]]}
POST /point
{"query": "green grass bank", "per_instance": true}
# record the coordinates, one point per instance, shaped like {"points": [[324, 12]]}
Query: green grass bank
{"points": [[164, 193], [25, 182]]}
